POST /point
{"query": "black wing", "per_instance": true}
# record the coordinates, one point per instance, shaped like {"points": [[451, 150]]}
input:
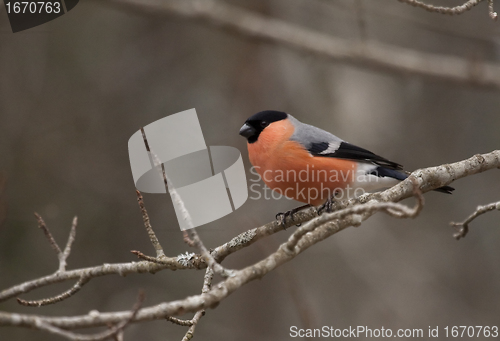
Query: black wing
{"points": [[346, 150]]}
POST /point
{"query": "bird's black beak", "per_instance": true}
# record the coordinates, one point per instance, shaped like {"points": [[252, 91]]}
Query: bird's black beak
{"points": [[247, 130]]}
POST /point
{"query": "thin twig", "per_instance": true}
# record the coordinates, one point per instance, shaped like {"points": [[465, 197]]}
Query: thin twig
{"points": [[463, 227], [444, 10], [149, 228], [212, 263], [194, 238], [371, 54], [142, 256], [207, 280], [194, 321], [67, 250], [61, 256], [491, 10], [118, 336], [181, 207], [46, 301], [175, 320], [195, 261], [122, 269], [360, 212], [207, 284], [427, 179], [186, 238], [99, 336], [48, 235]]}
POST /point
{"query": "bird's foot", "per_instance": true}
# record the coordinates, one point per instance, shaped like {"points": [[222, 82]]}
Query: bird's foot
{"points": [[327, 207], [281, 217]]}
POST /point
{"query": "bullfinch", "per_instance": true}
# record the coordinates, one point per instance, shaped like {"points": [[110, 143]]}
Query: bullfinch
{"points": [[311, 165]]}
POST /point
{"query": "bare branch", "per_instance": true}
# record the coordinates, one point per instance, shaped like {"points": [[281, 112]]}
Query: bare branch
{"points": [[74, 289], [122, 269], [357, 212], [118, 336], [69, 243], [207, 282], [189, 261], [175, 320], [491, 10], [214, 295], [427, 179], [444, 10], [113, 331], [48, 235], [190, 333], [212, 263], [62, 256], [453, 10], [463, 227], [149, 228], [186, 238], [179, 204], [371, 54], [193, 235], [142, 256]]}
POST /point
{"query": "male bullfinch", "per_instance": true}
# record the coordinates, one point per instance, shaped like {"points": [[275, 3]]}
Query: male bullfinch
{"points": [[311, 165]]}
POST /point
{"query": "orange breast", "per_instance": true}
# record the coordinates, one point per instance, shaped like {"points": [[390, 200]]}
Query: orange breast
{"points": [[286, 167]]}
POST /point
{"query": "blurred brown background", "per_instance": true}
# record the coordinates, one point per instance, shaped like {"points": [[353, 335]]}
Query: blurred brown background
{"points": [[74, 90]]}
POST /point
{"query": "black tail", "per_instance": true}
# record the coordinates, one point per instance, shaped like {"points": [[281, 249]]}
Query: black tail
{"points": [[396, 174], [445, 189]]}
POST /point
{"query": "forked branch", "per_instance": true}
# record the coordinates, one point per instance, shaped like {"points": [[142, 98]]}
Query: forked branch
{"points": [[463, 227], [349, 213]]}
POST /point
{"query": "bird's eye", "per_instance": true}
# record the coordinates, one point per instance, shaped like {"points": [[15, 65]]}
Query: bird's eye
{"points": [[264, 124]]}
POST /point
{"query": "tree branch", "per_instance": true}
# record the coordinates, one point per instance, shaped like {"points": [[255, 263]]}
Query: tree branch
{"points": [[491, 10], [121, 269], [69, 243], [179, 204], [463, 227], [324, 226], [207, 283], [467, 6], [62, 256], [48, 235], [365, 53], [113, 331], [444, 10], [74, 289], [149, 229], [356, 212]]}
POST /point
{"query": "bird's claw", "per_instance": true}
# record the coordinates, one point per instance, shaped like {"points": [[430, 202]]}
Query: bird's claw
{"points": [[326, 207], [281, 217]]}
